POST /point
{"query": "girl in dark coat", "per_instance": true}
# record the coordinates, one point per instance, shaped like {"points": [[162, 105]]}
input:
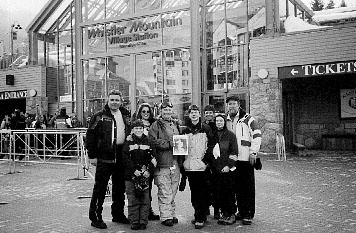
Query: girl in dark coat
{"points": [[226, 145]]}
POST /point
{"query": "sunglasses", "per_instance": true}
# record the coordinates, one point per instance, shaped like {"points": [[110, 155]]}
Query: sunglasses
{"points": [[144, 111], [166, 104]]}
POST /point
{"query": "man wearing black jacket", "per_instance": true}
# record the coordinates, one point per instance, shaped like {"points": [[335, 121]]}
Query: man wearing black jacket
{"points": [[106, 134]]}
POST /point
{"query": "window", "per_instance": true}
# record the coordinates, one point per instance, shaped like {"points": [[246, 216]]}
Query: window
{"points": [[185, 73], [170, 82], [169, 63]]}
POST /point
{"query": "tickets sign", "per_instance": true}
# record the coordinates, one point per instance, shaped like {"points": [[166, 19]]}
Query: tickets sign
{"points": [[310, 70]]}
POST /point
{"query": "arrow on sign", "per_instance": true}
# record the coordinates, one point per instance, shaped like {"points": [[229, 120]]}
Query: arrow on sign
{"points": [[293, 72]]}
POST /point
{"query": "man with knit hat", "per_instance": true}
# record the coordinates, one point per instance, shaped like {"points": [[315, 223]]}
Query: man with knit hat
{"points": [[167, 171]]}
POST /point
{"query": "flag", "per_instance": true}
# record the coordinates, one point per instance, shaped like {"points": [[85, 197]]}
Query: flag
{"points": [[14, 35]]}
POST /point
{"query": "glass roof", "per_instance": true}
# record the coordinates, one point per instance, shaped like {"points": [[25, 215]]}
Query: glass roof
{"points": [[49, 25]]}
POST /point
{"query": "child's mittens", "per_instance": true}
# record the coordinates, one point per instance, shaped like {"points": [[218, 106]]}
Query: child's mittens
{"points": [[146, 174], [154, 162], [137, 173]]}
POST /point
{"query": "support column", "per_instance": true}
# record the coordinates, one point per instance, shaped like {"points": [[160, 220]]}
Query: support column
{"points": [[32, 48], [78, 64], [272, 17], [195, 52]]}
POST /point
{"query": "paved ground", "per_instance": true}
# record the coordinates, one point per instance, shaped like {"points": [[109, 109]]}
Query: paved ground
{"points": [[309, 194]]}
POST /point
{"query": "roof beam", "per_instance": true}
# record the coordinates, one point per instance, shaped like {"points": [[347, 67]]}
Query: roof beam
{"points": [[43, 16]]}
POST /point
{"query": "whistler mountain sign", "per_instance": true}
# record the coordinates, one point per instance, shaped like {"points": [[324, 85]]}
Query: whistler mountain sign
{"points": [[139, 31], [333, 68]]}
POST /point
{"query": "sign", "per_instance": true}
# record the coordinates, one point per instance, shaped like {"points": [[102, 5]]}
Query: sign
{"points": [[135, 34], [180, 144], [65, 98], [312, 70], [13, 95], [348, 103]]}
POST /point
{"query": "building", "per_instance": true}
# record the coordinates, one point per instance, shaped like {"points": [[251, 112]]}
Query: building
{"points": [[303, 83], [189, 52]]}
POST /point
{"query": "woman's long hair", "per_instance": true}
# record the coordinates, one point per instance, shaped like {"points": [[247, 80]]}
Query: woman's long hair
{"points": [[139, 116]]}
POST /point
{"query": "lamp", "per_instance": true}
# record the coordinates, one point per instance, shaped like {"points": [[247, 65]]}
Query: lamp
{"points": [[13, 36]]}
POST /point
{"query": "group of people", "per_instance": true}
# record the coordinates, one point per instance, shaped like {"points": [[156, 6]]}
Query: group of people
{"points": [[19, 120], [136, 152]]}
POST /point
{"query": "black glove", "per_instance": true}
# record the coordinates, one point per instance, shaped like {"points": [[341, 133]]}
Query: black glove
{"points": [[183, 183]]}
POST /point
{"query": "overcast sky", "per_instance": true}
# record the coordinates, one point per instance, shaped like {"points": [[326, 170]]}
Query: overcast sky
{"points": [[24, 11]]}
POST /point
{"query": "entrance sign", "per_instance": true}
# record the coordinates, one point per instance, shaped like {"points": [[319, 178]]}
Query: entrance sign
{"points": [[13, 95], [348, 103], [312, 70]]}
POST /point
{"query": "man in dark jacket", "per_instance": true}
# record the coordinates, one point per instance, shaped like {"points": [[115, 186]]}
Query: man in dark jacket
{"points": [[106, 134]]}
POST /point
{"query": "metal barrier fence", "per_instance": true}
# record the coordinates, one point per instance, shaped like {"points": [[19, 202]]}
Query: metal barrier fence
{"points": [[44, 146]]}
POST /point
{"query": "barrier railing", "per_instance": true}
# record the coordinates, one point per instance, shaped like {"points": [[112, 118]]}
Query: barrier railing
{"points": [[44, 146]]}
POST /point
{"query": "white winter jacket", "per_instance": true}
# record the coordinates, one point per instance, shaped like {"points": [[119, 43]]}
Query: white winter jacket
{"points": [[248, 135]]}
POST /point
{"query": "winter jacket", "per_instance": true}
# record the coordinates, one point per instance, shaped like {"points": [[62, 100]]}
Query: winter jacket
{"points": [[136, 153], [228, 146], [163, 142], [248, 135], [192, 161], [99, 141]]}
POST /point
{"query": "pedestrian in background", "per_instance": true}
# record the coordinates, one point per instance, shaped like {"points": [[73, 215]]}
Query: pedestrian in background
{"points": [[6, 122], [223, 168], [29, 119], [60, 120], [105, 137], [5, 140], [145, 114], [196, 162], [248, 136], [75, 122], [18, 122], [167, 172], [40, 122], [139, 162]]}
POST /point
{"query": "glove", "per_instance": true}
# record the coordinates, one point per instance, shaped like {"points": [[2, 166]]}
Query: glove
{"points": [[137, 173], [182, 184]]}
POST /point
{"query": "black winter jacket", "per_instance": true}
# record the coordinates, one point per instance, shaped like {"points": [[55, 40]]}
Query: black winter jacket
{"points": [[99, 141], [228, 146], [136, 153]]}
